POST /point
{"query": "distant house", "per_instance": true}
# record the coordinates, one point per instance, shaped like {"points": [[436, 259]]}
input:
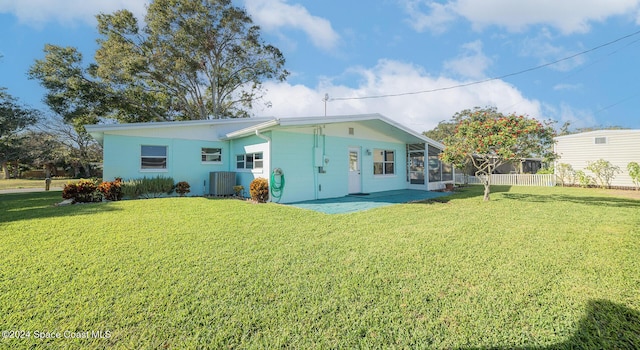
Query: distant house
{"points": [[620, 147], [319, 157], [525, 166]]}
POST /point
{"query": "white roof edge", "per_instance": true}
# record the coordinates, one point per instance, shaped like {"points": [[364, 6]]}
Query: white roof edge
{"points": [[602, 131], [252, 129], [293, 121], [147, 125], [412, 132], [261, 124]]}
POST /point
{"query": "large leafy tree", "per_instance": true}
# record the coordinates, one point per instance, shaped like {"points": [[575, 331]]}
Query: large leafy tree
{"points": [[14, 118], [194, 59], [488, 139], [197, 59], [72, 92]]}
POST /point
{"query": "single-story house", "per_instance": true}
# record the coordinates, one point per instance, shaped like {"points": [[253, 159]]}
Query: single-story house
{"points": [[620, 147], [317, 157]]}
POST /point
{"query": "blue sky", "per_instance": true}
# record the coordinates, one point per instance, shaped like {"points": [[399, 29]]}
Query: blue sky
{"points": [[353, 49]]}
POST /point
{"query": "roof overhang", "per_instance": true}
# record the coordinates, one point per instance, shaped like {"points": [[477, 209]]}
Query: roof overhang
{"points": [[97, 131], [375, 121]]}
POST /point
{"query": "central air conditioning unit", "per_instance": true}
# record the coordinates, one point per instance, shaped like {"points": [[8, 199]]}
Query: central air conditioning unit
{"points": [[221, 183]]}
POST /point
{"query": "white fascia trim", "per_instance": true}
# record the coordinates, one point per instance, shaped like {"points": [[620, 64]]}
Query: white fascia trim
{"points": [[252, 129], [153, 125], [603, 132]]}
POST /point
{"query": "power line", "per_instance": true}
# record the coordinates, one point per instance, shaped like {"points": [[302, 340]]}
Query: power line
{"points": [[616, 103], [489, 79]]}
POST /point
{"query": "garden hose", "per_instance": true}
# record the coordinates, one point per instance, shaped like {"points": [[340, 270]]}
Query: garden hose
{"points": [[277, 187]]}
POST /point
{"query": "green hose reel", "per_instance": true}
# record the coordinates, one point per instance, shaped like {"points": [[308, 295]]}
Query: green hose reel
{"points": [[277, 187]]}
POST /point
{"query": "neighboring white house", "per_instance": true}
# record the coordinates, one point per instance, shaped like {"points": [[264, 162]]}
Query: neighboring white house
{"points": [[620, 147], [320, 157]]}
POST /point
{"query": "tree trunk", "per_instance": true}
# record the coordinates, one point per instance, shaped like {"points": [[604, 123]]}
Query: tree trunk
{"points": [[5, 169], [487, 190], [487, 187]]}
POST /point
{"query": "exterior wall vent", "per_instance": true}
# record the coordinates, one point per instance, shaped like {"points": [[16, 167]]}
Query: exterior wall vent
{"points": [[351, 131], [600, 140], [221, 183]]}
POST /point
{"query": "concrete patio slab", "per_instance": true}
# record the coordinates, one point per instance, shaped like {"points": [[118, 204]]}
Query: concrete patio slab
{"points": [[359, 202]]}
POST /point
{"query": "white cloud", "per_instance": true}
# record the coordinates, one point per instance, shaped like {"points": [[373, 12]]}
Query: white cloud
{"points": [[568, 16], [271, 15], [419, 111], [38, 12], [472, 63], [576, 117], [437, 19], [567, 87], [541, 48]]}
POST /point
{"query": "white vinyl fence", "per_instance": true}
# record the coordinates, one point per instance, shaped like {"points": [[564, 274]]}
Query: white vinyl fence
{"points": [[540, 180]]}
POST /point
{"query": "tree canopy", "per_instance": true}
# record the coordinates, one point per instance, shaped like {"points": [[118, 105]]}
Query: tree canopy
{"points": [[194, 59], [488, 139], [14, 118], [72, 92]]}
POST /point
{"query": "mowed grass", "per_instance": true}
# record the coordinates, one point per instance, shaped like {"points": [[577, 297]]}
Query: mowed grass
{"points": [[8, 184], [535, 268]]}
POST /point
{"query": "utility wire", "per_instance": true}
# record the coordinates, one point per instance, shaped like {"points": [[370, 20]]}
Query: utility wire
{"points": [[489, 79]]}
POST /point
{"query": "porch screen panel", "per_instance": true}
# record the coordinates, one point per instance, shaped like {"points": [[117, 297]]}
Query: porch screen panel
{"points": [[434, 164], [415, 166]]}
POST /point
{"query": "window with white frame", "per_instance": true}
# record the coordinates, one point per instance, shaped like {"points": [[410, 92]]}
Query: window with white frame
{"points": [[249, 161], [383, 162], [153, 157], [211, 155]]}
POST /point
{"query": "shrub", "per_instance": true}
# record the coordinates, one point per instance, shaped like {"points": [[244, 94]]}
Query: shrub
{"points": [[566, 174], [132, 188], [237, 190], [634, 173], [259, 190], [545, 171], [148, 187], [583, 179], [83, 191], [183, 188], [111, 190], [603, 171]]}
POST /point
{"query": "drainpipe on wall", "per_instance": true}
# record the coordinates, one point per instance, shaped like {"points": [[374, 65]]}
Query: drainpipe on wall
{"points": [[268, 139]]}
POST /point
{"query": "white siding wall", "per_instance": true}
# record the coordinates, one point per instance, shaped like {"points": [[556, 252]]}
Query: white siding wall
{"points": [[621, 148]]}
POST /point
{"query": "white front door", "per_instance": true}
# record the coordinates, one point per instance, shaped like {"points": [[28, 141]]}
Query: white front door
{"points": [[355, 185]]}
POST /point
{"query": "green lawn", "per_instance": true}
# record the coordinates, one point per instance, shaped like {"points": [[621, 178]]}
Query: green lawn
{"points": [[7, 184], [535, 268]]}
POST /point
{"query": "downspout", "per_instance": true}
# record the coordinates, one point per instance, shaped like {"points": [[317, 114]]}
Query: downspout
{"points": [[313, 165], [268, 139]]}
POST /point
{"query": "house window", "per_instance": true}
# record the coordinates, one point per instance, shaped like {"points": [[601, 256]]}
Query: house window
{"points": [[153, 157], [211, 155], [249, 161], [383, 162], [600, 140]]}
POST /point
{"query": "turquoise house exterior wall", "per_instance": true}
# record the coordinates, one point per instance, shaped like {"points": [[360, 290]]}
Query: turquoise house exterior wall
{"points": [[184, 162], [294, 153], [250, 144]]}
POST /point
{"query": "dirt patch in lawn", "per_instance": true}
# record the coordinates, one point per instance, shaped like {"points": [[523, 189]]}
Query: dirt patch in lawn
{"points": [[625, 193]]}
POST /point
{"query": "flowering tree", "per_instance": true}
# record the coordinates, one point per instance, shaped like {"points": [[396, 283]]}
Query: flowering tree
{"points": [[488, 139]]}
